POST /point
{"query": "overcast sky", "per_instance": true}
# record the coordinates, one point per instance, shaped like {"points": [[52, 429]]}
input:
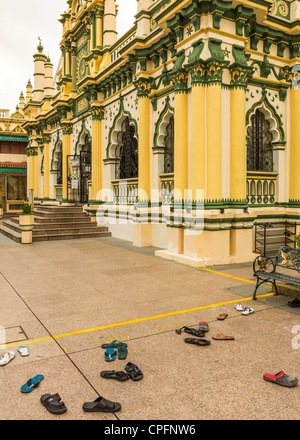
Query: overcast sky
{"points": [[21, 23]]}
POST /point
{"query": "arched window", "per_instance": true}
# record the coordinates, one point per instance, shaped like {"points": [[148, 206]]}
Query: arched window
{"points": [[169, 148], [259, 144], [127, 152]]}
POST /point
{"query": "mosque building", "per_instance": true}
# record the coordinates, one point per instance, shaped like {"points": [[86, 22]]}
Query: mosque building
{"points": [[182, 134]]}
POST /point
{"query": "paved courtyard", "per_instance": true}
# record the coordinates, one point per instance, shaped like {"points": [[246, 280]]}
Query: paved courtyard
{"points": [[64, 299]]}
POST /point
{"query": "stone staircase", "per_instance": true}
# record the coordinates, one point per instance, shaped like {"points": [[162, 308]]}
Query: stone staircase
{"points": [[56, 223]]}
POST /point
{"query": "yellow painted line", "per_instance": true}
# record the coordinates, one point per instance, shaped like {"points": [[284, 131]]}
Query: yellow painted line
{"points": [[133, 321], [227, 275]]}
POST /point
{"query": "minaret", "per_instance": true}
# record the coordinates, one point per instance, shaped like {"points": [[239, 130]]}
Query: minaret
{"points": [[110, 34], [143, 17], [39, 74], [28, 91], [48, 89], [21, 101]]}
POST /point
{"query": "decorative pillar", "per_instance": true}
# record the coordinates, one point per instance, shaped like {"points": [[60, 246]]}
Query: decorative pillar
{"points": [[179, 80], [97, 117], [143, 90], [74, 67], [214, 133], [98, 32], [294, 137], [240, 72], [198, 163], [110, 34], [46, 141], [67, 131]]}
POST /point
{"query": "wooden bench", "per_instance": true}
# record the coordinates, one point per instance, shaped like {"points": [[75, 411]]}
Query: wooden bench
{"points": [[266, 270]]}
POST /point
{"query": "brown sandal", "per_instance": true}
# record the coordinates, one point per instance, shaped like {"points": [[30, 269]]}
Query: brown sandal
{"points": [[222, 337], [222, 316]]}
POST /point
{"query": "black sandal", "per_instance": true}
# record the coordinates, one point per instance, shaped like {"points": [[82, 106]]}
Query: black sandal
{"points": [[53, 403], [121, 376], [101, 405], [197, 341], [134, 371], [191, 331], [294, 303]]}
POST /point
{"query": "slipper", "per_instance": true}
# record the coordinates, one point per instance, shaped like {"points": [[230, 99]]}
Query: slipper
{"points": [[134, 371], [281, 379], [122, 352], [221, 337], [6, 357], [294, 303], [114, 344], [197, 341], [203, 326], [23, 350], [121, 376], [222, 316], [110, 354], [191, 331], [247, 311], [239, 307], [53, 403], [32, 383], [101, 405]]}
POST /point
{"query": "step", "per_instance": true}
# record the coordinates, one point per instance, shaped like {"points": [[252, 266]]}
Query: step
{"points": [[54, 209], [11, 225], [63, 231], [55, 220], [63, 225], [71, 236], [10, 234], [56, 214]]}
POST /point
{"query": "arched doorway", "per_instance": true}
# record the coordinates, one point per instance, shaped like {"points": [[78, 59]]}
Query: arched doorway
{"points": [[80, 171]]}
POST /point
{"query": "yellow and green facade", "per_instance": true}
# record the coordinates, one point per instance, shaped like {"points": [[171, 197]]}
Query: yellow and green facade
{"points": [[182, 133]]}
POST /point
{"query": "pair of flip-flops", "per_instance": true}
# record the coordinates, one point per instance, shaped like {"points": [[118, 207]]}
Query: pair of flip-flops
{"points": [[55, 405], [111, 354], [245, 311], [132, 371], [5, 358]]}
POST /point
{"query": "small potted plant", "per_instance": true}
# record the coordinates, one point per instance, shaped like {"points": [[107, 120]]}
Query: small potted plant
{"points": [[26, 222], [297, 240]]}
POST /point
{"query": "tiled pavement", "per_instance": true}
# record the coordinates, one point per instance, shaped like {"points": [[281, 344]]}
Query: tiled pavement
{"points": [[66, 298]]}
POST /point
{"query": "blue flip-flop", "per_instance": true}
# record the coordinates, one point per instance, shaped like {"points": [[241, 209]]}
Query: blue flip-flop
{"points": [[32, 383], [110, 354]]}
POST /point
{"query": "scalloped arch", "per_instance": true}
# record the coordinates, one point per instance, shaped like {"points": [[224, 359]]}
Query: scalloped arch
{"points": [[161, 125], [271, 116], [116, 128]]}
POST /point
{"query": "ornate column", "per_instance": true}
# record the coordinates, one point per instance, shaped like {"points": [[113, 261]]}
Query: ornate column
{"points": [[294, 195], [67, 131], [46, 141], [215, 66], [143, 90], [179, 79], [97, 117], [99, 25], [240, 72], [198, 163], [74, 67]]}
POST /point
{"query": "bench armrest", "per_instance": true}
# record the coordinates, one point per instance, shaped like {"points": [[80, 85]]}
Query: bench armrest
{"points": [[263, 264]]}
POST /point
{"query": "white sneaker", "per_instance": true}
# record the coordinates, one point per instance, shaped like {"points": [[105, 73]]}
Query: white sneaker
{"points": [[247, 311]]}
